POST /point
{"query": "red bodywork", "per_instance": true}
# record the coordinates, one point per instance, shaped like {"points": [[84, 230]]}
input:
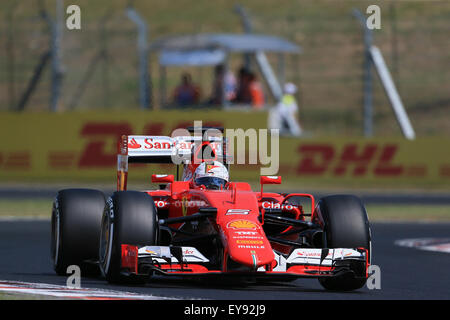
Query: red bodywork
{"points": [[238, 222], [239, 211]]}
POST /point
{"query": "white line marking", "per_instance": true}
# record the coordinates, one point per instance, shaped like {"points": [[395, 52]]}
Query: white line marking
{"points": [[429, 244], [65, 292]]}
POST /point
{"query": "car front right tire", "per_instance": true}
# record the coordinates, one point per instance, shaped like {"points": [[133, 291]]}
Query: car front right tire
{"points": [[130, 217]]}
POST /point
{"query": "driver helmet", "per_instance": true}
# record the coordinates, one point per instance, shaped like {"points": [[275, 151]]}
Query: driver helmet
{"points": [[213, 175]]}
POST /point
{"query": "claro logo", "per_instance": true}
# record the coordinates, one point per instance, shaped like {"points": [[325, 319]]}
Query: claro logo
{"points": [[354, 159]]}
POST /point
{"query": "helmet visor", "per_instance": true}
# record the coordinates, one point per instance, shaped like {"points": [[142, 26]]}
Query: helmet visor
{"points": [[212, 183]]}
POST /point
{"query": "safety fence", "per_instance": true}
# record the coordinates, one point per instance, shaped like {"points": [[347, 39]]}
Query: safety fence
{"points": [[99, 63]]}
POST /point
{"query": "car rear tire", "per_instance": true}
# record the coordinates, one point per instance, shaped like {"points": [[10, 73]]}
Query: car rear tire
{"points": [[76, 224], [346, 225], [130, 217]]}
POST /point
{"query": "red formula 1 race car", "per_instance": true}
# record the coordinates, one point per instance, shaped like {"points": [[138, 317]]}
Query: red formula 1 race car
{"points": [[205, 225]]}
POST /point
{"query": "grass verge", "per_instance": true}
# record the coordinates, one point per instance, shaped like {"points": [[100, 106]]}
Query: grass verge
{"points": [[26, 208], [419, 213]]}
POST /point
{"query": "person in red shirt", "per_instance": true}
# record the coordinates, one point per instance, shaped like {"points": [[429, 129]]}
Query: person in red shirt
{"points": [[256, 92]]}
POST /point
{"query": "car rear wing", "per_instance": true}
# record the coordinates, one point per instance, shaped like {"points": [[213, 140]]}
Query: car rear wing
{"points": [[162, 149]]}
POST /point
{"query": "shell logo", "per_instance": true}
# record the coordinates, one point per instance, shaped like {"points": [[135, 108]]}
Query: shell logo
{"points": [[242, 224]]}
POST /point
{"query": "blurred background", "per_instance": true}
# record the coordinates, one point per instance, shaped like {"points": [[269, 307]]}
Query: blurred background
{"points": [[67, 94], [99, 64]]}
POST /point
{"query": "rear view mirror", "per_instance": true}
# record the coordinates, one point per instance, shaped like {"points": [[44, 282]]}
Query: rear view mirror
{"points": [[270, 180], [162, 178]]}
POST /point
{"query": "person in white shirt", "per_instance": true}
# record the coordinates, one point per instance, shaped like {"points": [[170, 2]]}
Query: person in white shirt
{"points": [[284, 115]]}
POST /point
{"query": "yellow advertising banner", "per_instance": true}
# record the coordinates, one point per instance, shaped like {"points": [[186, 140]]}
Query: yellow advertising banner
{"points": [[352, 163], [82, 147]]}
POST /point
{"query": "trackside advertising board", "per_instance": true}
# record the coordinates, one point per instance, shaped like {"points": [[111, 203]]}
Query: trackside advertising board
{"points": [[72, 147]]}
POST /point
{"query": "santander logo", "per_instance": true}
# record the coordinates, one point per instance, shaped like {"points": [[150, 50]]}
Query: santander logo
{"points": [[158, 144], [132, 144]]}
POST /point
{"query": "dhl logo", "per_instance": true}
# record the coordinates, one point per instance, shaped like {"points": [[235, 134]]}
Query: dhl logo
{"points": [[319, 159]]}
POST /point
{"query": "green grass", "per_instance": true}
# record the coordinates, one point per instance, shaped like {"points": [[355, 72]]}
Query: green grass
{"points": [[42, 209], [423, 213], [34, 208]]}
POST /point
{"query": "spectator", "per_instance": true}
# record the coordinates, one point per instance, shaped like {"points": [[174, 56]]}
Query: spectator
{"points": [[256, 91], [186, 93], [284, 115], [218, 89], [243, 87]]}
